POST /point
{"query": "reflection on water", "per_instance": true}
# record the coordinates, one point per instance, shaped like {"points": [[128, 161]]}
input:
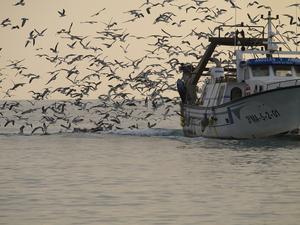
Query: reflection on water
{"points": [[142, 179]]}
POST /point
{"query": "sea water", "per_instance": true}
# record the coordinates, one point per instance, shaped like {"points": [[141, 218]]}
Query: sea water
{"points": [[147, 176]]}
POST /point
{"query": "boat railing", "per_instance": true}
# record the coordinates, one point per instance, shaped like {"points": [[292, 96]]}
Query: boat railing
{"points": [[281, 84]]}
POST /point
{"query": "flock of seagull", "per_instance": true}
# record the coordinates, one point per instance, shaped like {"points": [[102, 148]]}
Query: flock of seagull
{"points": [[132, 91]]}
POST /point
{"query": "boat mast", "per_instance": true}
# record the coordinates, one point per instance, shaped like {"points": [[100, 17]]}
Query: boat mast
{"points": [[269, 18], [296, 29], [270, 45]]}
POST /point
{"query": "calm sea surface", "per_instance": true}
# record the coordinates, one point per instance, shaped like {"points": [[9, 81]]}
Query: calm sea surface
{"points": [[148, 177], [140, 176]]}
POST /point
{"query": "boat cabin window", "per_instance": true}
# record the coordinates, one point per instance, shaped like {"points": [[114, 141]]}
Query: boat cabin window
{"points": [[260, 70], [297, 70], [283, 71], [235, 93]]}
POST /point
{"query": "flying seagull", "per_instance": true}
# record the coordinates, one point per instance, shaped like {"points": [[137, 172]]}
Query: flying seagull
{"points": [[62, 13]]}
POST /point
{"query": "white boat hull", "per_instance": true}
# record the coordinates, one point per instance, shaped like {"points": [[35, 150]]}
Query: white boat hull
{"points": [[259, 115]]}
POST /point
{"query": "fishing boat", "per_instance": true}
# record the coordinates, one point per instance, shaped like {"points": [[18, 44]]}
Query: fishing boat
{"points": [[257, 97]]}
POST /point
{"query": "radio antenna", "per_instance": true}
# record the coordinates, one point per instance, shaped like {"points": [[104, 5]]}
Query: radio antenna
{"points": [[297, 26], [235, 21]]}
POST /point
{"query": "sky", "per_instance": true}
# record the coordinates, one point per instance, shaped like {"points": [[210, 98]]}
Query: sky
{"points": [[87, 24]]}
